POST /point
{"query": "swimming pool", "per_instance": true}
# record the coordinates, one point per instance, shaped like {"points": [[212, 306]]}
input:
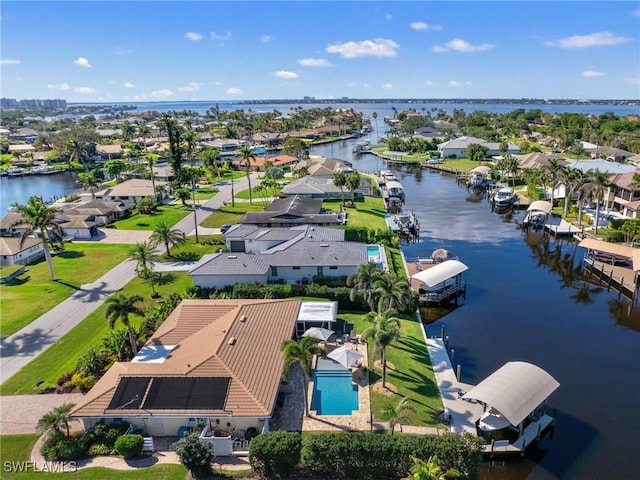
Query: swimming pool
{"points": [[334, 392], [373, 252]]}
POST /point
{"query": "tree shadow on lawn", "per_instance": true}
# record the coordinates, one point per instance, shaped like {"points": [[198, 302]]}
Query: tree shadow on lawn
{"points": [[17, 281], [166, 278], [70, 254], [184, 257], [25, 343]]}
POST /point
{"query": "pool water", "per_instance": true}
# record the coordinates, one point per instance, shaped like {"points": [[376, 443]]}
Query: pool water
{"points": [[334, 392], [373, 252]]}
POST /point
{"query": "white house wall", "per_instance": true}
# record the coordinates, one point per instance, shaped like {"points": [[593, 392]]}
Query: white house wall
{"points": [[291, 275], [220, 281]]}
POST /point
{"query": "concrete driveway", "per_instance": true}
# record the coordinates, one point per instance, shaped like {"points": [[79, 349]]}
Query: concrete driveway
{"points": [[20, 413], [112, 235]]}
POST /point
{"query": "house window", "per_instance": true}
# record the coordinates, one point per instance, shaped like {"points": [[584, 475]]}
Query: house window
{"points": [[320, 271], [274, 271], [333, 268], [296, 268]]}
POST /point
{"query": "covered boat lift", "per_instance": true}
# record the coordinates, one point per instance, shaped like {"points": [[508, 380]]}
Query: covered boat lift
{"points": [[440, 282], [537, 213], [517, 392]]}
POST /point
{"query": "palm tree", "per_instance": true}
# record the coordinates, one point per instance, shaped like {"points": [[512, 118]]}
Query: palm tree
{"points": [[77, 151], [353, 183], [552, 172], [375, 119], [596, 184], [634, 184], [340, 180], [233, 193], [384, 331], [144, 253], [573, 179], [430, 470], [246, 155], [301, 353], [36, 216], [399, 413], [190, 139], [392, 292], [89, 180], [363, 281], [56, 419], [211, 160], [119, 307], [163, 233], [150, 159]]}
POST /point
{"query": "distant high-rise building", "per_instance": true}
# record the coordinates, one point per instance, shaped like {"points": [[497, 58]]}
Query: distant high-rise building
{"points": [[33, 103]]}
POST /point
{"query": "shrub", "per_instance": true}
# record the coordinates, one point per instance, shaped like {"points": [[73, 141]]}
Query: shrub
{"points": [[84, 383], [64, 378], [60, 448], [94, 361], [99, 449], [129, 446], [275, 453], [108, 434], [195, 455]]}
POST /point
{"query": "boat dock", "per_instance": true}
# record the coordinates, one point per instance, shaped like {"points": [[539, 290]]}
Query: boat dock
{"points": [[562, 229], [446, 287]]}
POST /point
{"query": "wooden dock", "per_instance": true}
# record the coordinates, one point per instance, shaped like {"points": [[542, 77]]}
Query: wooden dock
{"points": [[562, 229], [622, 279]]}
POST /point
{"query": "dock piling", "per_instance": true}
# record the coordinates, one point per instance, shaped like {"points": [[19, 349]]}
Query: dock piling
{"points": [[458, 371]]}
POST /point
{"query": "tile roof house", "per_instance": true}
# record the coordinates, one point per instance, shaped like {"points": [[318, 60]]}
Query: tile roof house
{"points": [[539, 159], [458, 147], [290, 211], [282, 161], [623, 194], [216, 360], [291, 256], [325, 167], [12, 253], [129, 190]]}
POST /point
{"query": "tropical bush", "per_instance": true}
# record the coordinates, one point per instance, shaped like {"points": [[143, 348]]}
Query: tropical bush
{"points": [[195, 455], [275, 453], [130, 445]]}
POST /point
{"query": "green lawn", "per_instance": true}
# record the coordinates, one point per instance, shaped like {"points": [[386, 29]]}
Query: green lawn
{"points": [[395, 262], [191, 250], [259, 194], [171, 214], [229, 214], [33, 293], [61, 357], [412, 373], [460, 164], [206, 193], [369, 213]]}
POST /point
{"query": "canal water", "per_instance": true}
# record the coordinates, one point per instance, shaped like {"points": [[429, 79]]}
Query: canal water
{"points": [[19, 189], [525, 301]]}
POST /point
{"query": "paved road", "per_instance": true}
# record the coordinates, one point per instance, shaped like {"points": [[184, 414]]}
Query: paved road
{"points": [[23, 346], [20, 413]]}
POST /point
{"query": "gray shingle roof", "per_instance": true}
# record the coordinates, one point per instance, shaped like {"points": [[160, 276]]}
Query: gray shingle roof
{"points": [[308, 253], [230, 264]]}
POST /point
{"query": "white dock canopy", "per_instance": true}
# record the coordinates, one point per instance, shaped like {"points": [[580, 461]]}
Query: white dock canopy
{"points": [[613, 248], [482, 170], [540, 206], [440, 272], [516, 389]]}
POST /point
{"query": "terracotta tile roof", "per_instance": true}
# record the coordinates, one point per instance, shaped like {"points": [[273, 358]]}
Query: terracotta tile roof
{"points": [[235, 339]]}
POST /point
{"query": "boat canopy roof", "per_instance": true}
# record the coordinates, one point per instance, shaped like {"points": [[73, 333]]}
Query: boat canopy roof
{"points": [[440, 272], [540, 206], [515, 390], [613, 248], [482, 169], [394, 184]]}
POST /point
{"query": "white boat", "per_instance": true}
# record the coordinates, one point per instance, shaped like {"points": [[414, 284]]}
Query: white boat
{"points": [[403, 223], [361, 147], [492, 420], [478, 176], [504, 197]]}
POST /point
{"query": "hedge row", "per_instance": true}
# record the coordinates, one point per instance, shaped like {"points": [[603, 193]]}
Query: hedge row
{"points": [[362, 455]]}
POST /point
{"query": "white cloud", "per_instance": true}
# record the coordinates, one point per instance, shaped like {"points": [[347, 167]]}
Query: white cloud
{"points": [[58, 86], [217, 84], [424, 26], [190, 87], [387, 86], [429, 83], [128, 85], [633, 81], [286, 74], [459, 45], [455, 83], [388, 16], [266, 38], [193, 36], [221, 38], [234, 91], [162, 93], [590, 40], [379, 47], [636, 13], [592, 73], [82, 62], [9, 61], [85, 90], [123, 51], [314, 62]]}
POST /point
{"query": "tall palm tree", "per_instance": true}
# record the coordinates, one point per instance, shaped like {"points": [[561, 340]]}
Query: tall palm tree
{"points": [[353, 183], [90, 181], [340, 180], [77, 151], [146, 256], [363, 281], [597, 183], [375, 119], [391, 292], [233, 193], [150, 159], [211, 160], [430, 470], [301, 353], [573, 179], [56, 419], [552, 172], [384, 331], [163, 233], [36, 216], [246, 155], [119, 307], [190, 139], [399, 413]]}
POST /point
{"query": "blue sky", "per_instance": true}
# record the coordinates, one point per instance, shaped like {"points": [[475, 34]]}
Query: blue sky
{"points": [[206, 50]]}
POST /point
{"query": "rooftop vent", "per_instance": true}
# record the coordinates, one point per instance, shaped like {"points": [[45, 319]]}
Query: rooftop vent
{"points": [[324, 244], [243, 318], [232, 341], [231, 257]]}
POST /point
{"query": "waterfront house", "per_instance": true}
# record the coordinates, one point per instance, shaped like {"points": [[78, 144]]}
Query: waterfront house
{"points": [[12, 253], [323, 167], [254, 239], [129, 191], [298, 260], [281, 161], [295, 210], [163, 172], [218, 361], [620, 194], [539, 159], [27, 135], [458, 147], [314, 187], [271, 139], [108, 152], [104, 212], [21, 148]]}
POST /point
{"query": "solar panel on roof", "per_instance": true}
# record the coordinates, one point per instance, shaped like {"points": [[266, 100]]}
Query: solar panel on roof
{"points": [[129, 393], [187, 393]]}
